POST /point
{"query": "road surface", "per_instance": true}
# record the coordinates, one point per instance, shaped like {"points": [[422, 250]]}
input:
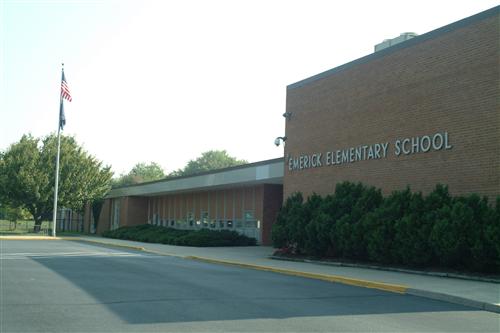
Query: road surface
{"points": [[67, 286]]}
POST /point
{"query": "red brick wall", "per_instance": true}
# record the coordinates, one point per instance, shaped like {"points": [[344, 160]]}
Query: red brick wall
{"points": [[271, 205], [104, 222], [264, 200], [136, 211], [449, 82]]}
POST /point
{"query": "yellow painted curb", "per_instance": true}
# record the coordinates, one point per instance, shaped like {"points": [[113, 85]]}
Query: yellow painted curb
{"points": [[324, 277], [39, 238], [28, 238]]}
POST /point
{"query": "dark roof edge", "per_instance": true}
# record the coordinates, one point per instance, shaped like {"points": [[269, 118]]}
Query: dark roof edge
{"points": [[413, 41], [242, 166]]}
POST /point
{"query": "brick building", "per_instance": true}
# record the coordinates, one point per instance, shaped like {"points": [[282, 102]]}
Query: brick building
{"points": [[417, 113], [245, 198]]}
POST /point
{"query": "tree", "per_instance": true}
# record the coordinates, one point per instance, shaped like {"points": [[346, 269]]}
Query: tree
{"points": [[141, 173], [209, 160], [27, 174], [13, 215]]}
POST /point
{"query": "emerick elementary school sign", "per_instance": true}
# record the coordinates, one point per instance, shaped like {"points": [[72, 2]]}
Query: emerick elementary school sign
{"points": [[406, 146]]}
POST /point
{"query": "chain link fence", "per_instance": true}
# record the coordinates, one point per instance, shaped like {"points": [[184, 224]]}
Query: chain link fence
{"points": [[23, 227]]}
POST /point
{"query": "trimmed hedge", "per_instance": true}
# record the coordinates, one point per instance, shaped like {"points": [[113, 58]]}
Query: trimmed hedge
{"points": [[357, 223], [202, 238]]}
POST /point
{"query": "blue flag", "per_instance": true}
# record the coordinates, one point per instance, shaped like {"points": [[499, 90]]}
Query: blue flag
{"points": [[62, 118]]}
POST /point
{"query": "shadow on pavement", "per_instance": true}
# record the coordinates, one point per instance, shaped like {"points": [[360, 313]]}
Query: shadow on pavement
{"points": [[157, 289]]}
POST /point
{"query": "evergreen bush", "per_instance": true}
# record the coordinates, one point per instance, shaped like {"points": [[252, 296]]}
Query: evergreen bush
{"points": [[404, 228], [203, 238]]}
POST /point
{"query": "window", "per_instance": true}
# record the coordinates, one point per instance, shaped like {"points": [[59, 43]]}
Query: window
{"points": [[190, 218], [250, 224], [229, 224], [204, 219], [221, 224], [172, 223], [249, 219], [249, 215]]}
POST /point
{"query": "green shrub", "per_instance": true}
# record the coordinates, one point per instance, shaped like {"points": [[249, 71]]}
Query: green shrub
{"points": [[279, 235], [483, 252], [203, 238], [448, 237], [381, 227], [490, 253], [284, 231], [341, 237], [207, 237], [352, 226], [310, 212], [405, 228], [411, 241], [460, 237], [317, 235], [380, 238]]}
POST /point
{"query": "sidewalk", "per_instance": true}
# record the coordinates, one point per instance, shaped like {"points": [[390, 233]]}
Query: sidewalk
{"points": [[478, 294]]}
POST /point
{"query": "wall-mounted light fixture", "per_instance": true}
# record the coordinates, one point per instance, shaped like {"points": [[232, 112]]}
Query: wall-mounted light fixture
{"points": [[287, 115], [278, 140]]}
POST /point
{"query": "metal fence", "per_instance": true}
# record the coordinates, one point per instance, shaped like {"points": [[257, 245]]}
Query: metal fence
{"points": [[23, 227], [67, 221]]}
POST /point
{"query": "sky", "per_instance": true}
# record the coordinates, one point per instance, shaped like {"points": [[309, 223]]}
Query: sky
{"points": [[164, 81]]}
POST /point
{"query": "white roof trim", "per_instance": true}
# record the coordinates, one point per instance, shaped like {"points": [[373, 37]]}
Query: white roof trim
{"points": [[254, 174]]}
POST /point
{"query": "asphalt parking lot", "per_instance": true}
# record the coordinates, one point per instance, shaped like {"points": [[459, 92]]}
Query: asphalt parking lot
{"points": [[61, 286]]}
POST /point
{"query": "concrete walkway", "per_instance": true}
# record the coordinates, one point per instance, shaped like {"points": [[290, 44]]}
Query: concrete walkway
{"points": [[478, 294]]}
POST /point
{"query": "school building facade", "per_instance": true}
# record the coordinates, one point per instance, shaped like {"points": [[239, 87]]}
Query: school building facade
{"points": [[244, 198], [422, 112], [418, 113]]}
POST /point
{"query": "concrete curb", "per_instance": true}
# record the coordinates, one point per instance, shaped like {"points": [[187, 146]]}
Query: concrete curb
{"points": [[131, 247], [324, 277], [419, 292], [454, 299], [28, 238], [166, 254], [39, 238], [401, 289], [72, 238], [123, 246], [389, 269]]}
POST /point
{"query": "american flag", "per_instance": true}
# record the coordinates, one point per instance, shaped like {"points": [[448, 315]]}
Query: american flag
{"points": [[65, 89], [65, 94]]}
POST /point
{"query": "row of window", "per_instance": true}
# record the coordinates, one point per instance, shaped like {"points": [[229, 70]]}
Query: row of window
{"points": [[214, 224], [249, 221]]}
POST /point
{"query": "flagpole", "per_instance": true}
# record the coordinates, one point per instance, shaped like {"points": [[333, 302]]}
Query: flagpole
{"points": [[56, 186]]}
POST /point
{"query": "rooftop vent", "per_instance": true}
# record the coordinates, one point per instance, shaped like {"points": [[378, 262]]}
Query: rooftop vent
{"points": [[390, 42]]}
